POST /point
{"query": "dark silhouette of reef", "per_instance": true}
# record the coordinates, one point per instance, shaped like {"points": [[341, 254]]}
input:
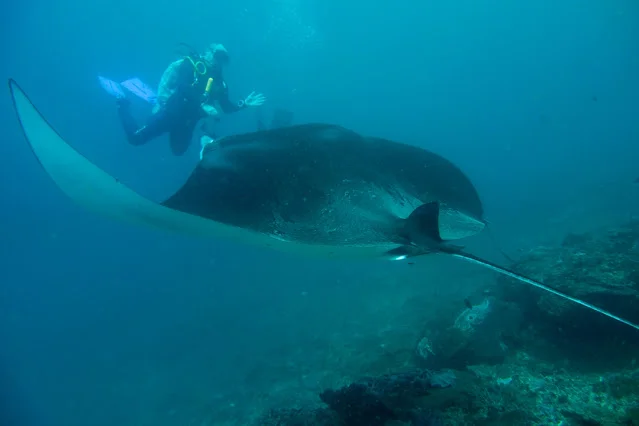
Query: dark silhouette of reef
{"points": [[373, 401]]}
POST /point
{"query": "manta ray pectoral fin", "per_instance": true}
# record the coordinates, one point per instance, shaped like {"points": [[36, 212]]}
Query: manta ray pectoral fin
{"points": [[87, 184]]}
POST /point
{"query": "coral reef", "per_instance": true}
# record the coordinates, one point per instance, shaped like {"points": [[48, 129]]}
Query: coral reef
{"points": [[513, 355], [601, 268], [521, 392], [477, 334], [374, 401], [299, 417]]}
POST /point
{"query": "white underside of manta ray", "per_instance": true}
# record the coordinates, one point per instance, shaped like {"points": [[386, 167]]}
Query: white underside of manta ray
{"points": [[316, 189]]}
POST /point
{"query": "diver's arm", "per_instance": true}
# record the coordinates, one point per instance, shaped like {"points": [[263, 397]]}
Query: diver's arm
{"points": [[227, 106]]}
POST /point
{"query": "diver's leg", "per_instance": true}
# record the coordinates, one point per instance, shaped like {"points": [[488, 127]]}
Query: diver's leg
{"points": [[126, 118], [183, 125], [156, 125], [180, 138], [208, 126]]}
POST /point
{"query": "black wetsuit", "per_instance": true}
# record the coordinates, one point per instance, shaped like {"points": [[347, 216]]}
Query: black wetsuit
{"points": [[182, 111]]}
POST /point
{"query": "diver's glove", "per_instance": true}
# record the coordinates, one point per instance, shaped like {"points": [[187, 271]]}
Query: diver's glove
{"points": [[253, 100], [206, 143], [210, 110]]}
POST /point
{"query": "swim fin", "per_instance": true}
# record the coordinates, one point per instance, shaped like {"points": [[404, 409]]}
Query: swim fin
{"points": [[139, 89], [112, 88]]}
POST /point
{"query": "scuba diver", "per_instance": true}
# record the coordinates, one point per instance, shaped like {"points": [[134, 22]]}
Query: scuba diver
{"points": [[191, 88]]}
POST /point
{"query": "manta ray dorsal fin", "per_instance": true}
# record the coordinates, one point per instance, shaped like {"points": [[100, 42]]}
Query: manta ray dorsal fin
{"points": [[90, 186], [423, 222], [421, 232]]}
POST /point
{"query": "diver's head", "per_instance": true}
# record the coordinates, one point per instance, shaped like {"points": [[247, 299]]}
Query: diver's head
{"points": [[216, 57]]}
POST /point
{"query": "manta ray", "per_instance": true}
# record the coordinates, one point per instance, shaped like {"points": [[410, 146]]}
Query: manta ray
{"points": [[316, 189]]}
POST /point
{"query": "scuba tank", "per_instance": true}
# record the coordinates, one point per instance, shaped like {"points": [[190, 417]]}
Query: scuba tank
{"points": [[207, 90]]}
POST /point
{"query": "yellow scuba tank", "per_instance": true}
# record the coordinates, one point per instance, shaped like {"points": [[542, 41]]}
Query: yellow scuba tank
{"points": [[207, 90]]}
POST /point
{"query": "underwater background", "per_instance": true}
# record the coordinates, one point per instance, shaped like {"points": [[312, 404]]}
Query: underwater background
{"points": [[108, 324]]}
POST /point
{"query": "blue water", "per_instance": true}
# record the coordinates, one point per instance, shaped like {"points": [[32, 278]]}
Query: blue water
{"points": [[104, 324]]}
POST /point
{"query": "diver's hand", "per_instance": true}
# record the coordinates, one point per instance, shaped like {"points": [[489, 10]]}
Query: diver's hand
{"points": [[210, 110], [208, 144], [254, 100]]}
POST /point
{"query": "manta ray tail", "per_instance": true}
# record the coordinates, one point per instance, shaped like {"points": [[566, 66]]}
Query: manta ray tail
{"points": [[478, 261], [422, 227], [496, 244]]}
